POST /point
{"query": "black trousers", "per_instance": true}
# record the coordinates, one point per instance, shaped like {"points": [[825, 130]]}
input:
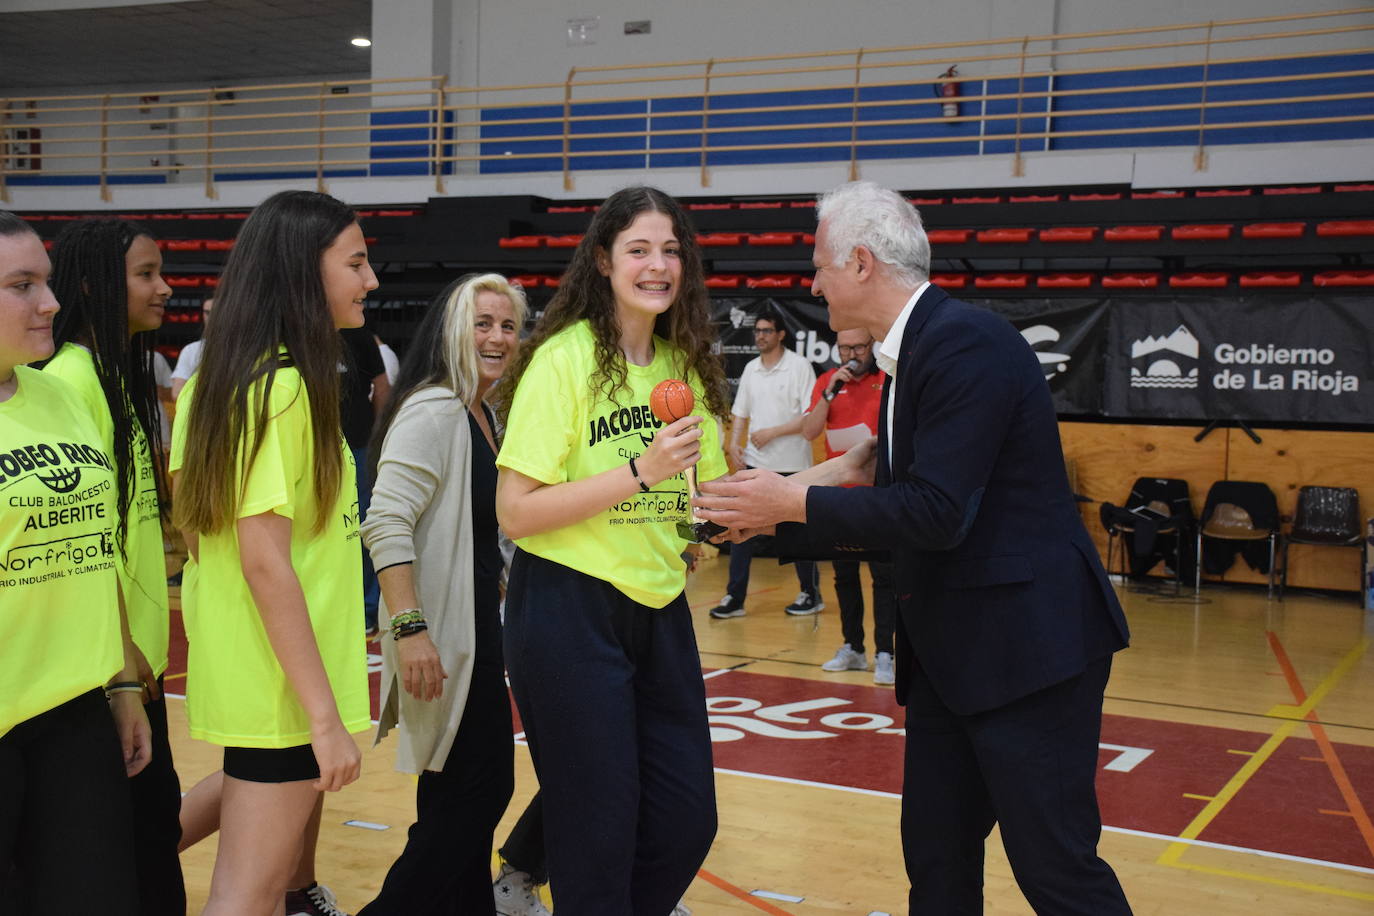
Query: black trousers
{"points": [[850, 593], [524, 848], [65, 836], [1028, 766], [614, 708], [445, 868], [156, 796]]}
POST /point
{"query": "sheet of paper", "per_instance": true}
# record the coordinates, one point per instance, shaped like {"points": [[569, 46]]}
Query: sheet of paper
{"points": [[842, 440]]}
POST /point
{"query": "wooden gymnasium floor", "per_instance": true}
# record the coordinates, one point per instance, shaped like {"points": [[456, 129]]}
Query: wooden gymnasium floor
{"points": [[1237, 768]]}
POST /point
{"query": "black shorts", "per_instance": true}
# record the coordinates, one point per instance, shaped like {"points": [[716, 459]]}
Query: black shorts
{"points": [[271, 764]]}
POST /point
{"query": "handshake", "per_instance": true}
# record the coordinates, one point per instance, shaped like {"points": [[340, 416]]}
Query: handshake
{"points": [[753, 501]]}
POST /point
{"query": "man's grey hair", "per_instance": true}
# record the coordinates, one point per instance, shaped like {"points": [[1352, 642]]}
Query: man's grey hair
{"points": [[884, 222]]}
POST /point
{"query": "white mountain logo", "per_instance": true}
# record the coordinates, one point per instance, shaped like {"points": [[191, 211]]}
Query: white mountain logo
{"points": [[1162, 370]]}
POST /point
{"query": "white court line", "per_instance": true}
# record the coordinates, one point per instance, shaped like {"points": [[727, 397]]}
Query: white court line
{"points": [[1163, 837]]}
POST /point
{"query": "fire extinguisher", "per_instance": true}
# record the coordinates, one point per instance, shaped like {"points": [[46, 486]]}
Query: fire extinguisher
{"points": [[949, 89]]}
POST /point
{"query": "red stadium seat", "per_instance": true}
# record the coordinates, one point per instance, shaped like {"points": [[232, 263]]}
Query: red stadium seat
{"points": [[581, 208], [1225, 192], [1064, 281], [564, 241], [713, 239], [1069, 234], [772, 281], [1111, 195], [950, 281], [218, 244], [526, 281], [808, 238], [1133, 234], [1345, 227], [1308, 189], [398, 212], [1200, 280], [761, 205], [1354, 187], [800, 204], [165, 216], [774, 238], [976, 200], [202, 216], [725, 206], [185, 244], [1002, 281], [1157, 195], [522, 241], [212, 281], [1035, 198], [1273, 230], [1136, 280], [1271, 278], [948, 236], [1344, 278], [925, 201], [178, 281], [724, 281], [1005, 236], [1202, 232], [552, 282]]}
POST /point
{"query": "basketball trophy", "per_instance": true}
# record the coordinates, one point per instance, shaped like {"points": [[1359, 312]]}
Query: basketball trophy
{"points": [[671, 400]]}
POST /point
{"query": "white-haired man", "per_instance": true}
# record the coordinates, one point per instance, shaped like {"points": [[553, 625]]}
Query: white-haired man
{"points": [[1006, 621]]}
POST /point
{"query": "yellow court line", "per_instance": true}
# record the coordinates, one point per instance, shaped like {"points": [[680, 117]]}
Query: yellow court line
{"points": [[1198, 797], [173, 677], [1352, 658], [1281, 882], [1213, 808]]}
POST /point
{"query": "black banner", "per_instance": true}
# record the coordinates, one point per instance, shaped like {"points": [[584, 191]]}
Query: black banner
{"points": [[1261, 359]]}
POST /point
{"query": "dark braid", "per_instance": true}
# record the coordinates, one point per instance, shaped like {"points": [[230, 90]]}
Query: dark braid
{"points": [[90, 281]]}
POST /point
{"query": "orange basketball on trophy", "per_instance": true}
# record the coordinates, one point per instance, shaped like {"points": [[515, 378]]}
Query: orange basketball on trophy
{"points": [[671, 400]]}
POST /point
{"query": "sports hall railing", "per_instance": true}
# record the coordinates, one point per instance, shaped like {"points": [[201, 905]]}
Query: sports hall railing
{"points": [[1268, 79]]}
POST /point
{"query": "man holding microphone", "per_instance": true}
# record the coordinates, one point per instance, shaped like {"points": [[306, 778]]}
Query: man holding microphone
{"points": [[844, 404]]}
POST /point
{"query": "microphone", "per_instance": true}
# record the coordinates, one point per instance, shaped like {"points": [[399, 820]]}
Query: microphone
{"points": [[853, 365]]}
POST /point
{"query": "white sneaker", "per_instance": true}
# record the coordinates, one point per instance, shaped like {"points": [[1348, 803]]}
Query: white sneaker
{"points": [[515, 894], [884, 671], [805, 605], [846, 659], [727, 608]]}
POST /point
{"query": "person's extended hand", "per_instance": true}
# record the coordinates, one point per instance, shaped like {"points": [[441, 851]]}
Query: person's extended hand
{"points": [[675, 448], [337, 755], [751, 499], [422, 673], [859, 464]]}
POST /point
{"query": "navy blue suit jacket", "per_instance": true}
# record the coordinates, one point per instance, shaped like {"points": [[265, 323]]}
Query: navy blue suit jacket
{"points": [[999, 588]]}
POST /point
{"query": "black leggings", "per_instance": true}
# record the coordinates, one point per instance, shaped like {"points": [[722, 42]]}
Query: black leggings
{"points": [[65, 835], [156, 793], [445, 869]]}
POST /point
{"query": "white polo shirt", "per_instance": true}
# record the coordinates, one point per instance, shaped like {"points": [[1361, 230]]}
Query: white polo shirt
{"points": [[769, 397]]}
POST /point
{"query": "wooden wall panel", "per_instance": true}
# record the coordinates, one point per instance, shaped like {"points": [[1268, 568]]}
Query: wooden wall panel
{"points": [[1107, 458]]}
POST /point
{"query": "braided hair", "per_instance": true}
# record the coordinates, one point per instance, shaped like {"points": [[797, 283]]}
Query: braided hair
{"points": [[90, 280]]}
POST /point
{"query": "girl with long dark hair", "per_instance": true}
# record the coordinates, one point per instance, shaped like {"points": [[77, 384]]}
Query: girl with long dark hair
{"points": [[599, 641], [108, 276], [434, 541], [276, 671], [66, 747]]}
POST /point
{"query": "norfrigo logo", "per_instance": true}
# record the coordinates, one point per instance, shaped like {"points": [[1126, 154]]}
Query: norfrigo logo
{"points": [[1169, 362]]}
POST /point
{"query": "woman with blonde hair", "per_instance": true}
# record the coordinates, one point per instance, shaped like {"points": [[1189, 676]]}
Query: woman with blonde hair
{"points": [[433, 536]]}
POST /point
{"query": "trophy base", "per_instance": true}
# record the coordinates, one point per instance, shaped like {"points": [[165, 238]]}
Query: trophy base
{"points": [[699, 532]]}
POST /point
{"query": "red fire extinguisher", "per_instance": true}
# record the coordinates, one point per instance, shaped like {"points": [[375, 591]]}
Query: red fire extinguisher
{"points": [[949, 89]]}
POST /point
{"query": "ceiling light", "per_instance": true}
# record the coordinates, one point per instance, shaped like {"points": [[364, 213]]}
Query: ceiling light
{"points": [[361, 42]]}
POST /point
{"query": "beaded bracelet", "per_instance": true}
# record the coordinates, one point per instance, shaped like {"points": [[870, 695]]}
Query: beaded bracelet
{"points": [[408, 616], [644, 487]]}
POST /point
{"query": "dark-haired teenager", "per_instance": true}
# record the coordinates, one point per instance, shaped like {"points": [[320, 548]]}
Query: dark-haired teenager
{"points": [[599, 642], [276, 671], [108, 276], [66, 747], [433, 536]]}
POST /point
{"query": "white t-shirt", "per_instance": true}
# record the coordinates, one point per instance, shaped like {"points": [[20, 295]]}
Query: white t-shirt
{"points": [[162, 376], [390, 361], [188, 361], [768, 397]]}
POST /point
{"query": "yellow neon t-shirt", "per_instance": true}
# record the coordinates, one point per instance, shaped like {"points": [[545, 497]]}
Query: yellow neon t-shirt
{"points": [[143, 571], [58, 606], [236, 692], [560, 430]]}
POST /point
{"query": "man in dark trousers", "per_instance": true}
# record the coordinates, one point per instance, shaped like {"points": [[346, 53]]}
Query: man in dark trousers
{"points": [[1006, 621]]}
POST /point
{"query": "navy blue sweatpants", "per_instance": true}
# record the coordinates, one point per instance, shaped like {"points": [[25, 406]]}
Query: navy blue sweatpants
{"points": [[614, 709]]}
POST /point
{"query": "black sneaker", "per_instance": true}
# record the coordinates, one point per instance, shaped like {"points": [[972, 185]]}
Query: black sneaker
{"points": [[315, 900], [728, 608], [805, 605]]}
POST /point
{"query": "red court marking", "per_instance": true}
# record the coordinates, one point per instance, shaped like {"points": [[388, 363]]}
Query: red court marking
{"points": [[1354, 807], [741, 894]]}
